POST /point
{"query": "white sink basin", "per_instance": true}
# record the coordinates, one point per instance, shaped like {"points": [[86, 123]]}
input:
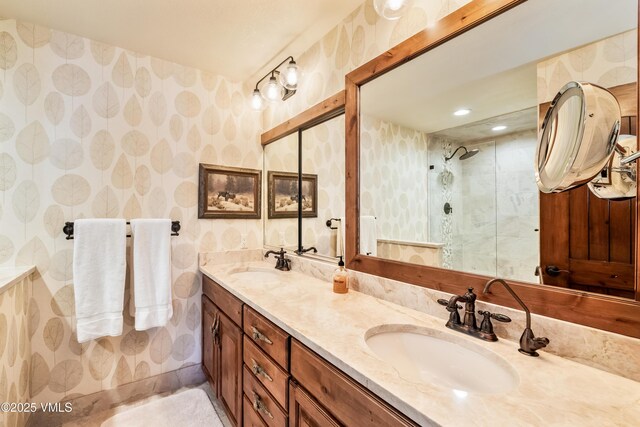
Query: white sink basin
{"points": [[255, 274], [430, 356]]}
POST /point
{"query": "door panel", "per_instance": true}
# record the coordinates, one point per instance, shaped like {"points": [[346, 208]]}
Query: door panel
{"points": [[231, 368]]}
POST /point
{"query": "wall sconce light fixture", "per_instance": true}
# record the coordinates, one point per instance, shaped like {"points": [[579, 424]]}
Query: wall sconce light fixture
{"points": [[391, 9], [282, 84]]}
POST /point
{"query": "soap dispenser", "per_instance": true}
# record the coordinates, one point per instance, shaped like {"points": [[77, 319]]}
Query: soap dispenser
{"points": [[340, 279]]}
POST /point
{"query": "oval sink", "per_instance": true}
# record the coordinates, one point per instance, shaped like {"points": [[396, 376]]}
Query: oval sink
{"points": [[255, 274], [442, 359]]}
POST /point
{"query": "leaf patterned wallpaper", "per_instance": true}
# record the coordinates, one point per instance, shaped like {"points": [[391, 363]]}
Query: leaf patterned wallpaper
{"points": [[360, 37], [90, 130], [14, 350], [323, 155], [609, 62], [395, 179]]}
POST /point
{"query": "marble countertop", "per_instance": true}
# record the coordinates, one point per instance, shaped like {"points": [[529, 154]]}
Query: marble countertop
{"points": [[552, 391], [9, 276]]}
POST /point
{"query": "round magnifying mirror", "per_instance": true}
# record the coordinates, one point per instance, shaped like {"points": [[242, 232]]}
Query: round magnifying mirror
{"points": [[579, 135]]}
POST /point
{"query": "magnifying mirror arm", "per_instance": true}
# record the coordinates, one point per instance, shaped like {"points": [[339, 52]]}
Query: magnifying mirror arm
{"points": [[629, 159]]}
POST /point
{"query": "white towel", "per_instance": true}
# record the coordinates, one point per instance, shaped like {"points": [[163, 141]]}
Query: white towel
{"points": [[368, 235], [151, 272], [340, 232], [99, 257]]}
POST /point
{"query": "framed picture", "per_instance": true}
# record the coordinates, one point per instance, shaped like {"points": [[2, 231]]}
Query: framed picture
{"points": [[283, 195], [226, 192]]}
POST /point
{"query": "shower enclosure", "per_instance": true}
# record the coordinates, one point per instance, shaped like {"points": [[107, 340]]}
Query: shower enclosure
{"points": [[483, 204]]}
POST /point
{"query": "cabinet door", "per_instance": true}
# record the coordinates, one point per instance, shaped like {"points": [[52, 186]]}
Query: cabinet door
{"points": [[209, 346], [305, 412], [230, 357]]}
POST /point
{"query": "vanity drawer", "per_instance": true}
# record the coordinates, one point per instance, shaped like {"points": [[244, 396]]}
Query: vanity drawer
{"points": [[273, 377], [271, 339], [230, 305], [348, 401], [269, 410], [250, 416]]}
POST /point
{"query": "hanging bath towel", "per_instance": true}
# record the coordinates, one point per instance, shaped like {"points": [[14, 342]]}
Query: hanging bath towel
{"points": [[99, 257]]}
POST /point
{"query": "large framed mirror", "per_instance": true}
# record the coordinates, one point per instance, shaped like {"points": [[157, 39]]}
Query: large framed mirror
{"points": [[441, 140], [303, 169]]}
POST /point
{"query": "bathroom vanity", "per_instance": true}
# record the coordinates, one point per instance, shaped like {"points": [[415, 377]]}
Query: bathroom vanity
{"points": [[263, 377], [280, 348]]}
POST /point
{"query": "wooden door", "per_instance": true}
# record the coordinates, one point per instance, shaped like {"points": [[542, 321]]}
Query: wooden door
{"points": [[587, 243], [230, 360], [209, 347], [305, 412]]}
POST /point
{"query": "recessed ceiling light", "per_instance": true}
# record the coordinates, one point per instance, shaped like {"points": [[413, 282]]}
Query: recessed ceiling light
{"points": [[498, 128], [462, 112]]}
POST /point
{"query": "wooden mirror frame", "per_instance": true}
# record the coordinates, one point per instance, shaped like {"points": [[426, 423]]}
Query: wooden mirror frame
{"points": [[599, 311]]}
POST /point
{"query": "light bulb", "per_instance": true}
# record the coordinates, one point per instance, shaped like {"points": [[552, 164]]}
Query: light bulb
{"points": [[272, 90], [395, 4], [291, 75], [256, 100], [391, 9]]}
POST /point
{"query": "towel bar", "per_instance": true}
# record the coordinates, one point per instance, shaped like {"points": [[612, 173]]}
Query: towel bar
{"points": [[330, 224], [68, 229]]}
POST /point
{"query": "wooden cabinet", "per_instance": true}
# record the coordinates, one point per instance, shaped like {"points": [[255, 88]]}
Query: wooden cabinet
{"points": [[348, 401], [209, 321], [230, 360], [306, 412], [266, 377], [263, 377], [270, 338], [222, 347]]}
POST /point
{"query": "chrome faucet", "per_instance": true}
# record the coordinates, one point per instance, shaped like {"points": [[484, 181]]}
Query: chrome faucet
{"points": [[282, 263], [469, 325], [529, 343]]}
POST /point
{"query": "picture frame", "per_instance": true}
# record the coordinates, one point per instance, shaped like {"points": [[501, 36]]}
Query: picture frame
{"points": [[283, 193], [229, 192]]}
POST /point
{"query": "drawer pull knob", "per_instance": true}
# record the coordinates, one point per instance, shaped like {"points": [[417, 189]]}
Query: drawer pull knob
{"points": [[259, 336], [259, 405], [259, 370]]}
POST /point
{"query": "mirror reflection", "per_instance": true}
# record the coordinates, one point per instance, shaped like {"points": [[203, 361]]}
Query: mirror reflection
{"points": [[448, 142], [281, 157], [323, 168]]}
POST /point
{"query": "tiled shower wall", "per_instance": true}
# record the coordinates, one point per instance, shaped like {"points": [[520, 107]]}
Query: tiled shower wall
{"points": [[499, 204], [90, 130]]}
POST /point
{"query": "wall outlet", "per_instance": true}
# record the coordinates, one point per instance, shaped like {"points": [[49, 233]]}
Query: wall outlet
{"points": [[243, 241], [282, 240]]}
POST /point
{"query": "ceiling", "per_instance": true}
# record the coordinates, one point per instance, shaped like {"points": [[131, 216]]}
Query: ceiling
{"points": [[230, 38], [492, 68], [517, 121]]}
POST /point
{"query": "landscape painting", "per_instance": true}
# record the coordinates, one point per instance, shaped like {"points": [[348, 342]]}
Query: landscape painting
{"points": [[283, 195], [229, 193]]}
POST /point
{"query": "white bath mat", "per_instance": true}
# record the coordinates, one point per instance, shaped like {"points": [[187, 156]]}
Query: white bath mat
{"points": [[190, 408]]}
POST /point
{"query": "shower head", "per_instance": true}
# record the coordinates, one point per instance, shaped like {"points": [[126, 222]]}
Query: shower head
{"points": [[467, 154]]}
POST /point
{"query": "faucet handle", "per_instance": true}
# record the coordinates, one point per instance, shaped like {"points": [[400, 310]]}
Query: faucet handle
{"points": [[445, 302], [486, 325]]}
